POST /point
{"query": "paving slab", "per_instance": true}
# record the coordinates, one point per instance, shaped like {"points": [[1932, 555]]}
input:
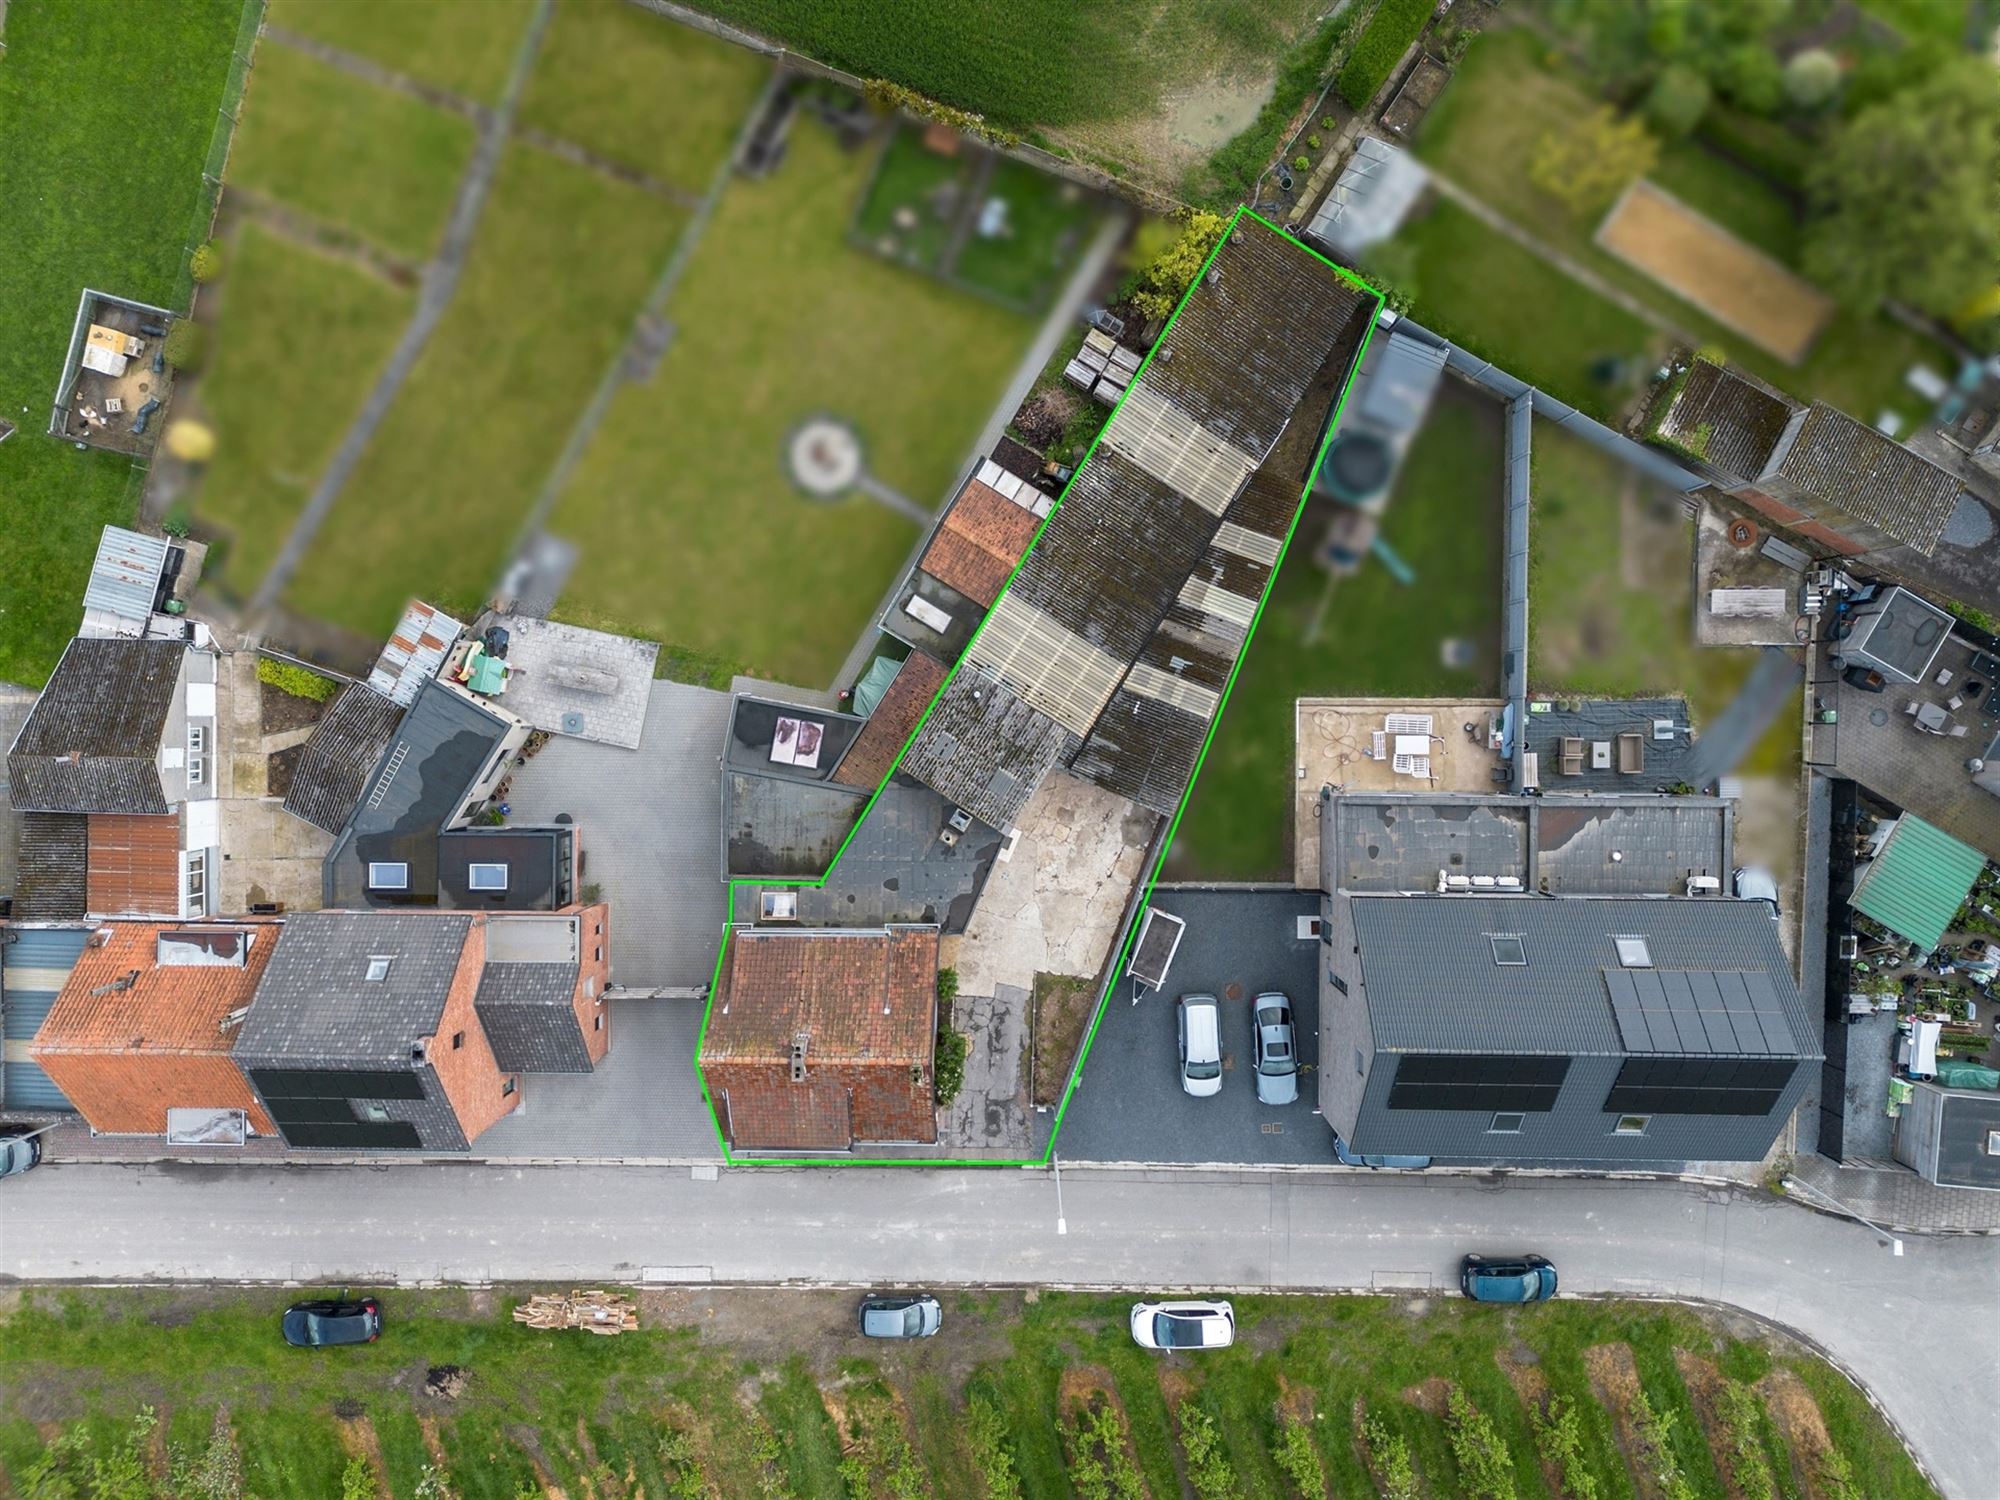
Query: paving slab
{"points": [[588, 684]]}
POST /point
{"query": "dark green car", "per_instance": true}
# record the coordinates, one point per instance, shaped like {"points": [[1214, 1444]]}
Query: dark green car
{"points": [[1529, 1279]]}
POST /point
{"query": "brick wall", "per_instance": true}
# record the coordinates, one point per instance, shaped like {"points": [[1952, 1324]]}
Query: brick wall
{"points": [[130, 1093], [473, 1083], [593, 968]]}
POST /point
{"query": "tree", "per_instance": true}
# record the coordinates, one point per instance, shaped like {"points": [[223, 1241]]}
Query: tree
{"points": [[1163, 282], [1903, 200], [1677, 101], [1748, 75], [206, 263], [1811, 78], [1585, 168]]}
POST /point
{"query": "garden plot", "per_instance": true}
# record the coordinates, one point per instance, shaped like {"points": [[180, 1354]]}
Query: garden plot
{"points": [[1698, 260]]}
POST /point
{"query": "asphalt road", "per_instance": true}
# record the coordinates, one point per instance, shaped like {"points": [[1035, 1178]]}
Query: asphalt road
{"points": [[1919, 1330]]}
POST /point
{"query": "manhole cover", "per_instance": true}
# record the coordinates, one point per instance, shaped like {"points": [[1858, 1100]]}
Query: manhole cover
{"points": [[1232, 991], [1272, 1128], [1878, 716], [572, 723]]}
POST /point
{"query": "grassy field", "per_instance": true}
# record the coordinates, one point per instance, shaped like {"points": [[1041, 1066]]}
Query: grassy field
{"points": [[1047, 220], [562, 260], [909, 176], [278, 410], [1511, 306], [1374, 635], [690, 528], [349, 153], [1611, 578], [752, 1393], [662, 99], [119, 222], [1483, 134], [465, 49]]}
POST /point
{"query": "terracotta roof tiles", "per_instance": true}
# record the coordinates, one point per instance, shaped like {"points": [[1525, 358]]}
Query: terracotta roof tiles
{"points": [[984, 534], [856, 996]]}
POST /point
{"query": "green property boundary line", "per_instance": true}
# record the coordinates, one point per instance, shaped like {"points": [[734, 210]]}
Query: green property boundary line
{"points": [[1153, 877]]}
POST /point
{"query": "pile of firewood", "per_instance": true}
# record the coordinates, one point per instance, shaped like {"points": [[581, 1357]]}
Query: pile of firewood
{"points": [[597, 1312]]}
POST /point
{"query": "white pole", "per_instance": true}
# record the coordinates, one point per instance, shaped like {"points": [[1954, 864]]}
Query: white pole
{"points": [[1062, 1224]]}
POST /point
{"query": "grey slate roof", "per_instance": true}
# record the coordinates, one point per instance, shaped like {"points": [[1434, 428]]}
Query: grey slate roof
{"points": [[986, 749], [316, 1006], [525, 1009], [1869, 476], [49, 881], [435, 756], [1433, 985], [1731, 423], [93, 741], [345, 746]]}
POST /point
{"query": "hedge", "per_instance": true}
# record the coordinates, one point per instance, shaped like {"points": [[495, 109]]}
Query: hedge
{"points": [[297, 681], [1395, 25]]}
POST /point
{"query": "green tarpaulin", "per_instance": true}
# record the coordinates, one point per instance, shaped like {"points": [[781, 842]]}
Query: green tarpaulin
{"points": [[1916, 885], [874, 683], [1960, 1073]]}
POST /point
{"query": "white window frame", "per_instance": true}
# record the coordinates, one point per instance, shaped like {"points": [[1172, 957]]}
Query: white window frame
{"points": [[197, 770], [1519, 1117], [1622, 1128], [378, 968], [472, 875], [385, 883], [194, 883], [197, 739]]}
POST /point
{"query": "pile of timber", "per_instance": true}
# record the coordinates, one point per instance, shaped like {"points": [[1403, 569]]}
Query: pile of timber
{"points": [[597, 1312]]}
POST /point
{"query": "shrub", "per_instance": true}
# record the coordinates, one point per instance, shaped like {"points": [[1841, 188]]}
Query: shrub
{"points": [[206, 263], [1656, 1436], [187, 345], [1394, 26], [1750, 77], [947, 988], [1978, 619], [948, 1071], [1208, 1467], [288, 677], [986, 1429], [681, 1465], [1390, 1455], [892, 96], [1484, 1465], [1327, 123], [1298, 1458], [1559, 1439], [434, 1484], [1677, 100], [1836, 1476], [1586, 168], [1100, 1467], [1811, 78], [1162, 284], [1743, 1421], [1312, 143], [357, 1480]]}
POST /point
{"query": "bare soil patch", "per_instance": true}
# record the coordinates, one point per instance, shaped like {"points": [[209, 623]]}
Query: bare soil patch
{"points": [[1801, 1425], [1087, 1388], [279, 768], [1062, 1011], [1698, 260], [1295, 1401], [1532, 1387], [1704, 1385], [279, 710], [1430, 1396], [427, 1425], [1614, 1380], [358, 1440]]}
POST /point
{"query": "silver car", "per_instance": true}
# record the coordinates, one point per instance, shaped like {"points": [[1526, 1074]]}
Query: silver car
{"points": [[1200, 1041], [900, 1317], [1275, 1046]]}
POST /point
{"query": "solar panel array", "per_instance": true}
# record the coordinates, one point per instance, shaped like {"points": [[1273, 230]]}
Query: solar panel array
{"points": [[1688, 1012]]}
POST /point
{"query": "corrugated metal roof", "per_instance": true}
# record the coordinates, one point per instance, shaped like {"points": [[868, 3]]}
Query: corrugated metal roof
{"points": [[33, 970], [125, 577], [1871, 477], [92, 742], [1918, 882], [1433, 984], [415, 650]]}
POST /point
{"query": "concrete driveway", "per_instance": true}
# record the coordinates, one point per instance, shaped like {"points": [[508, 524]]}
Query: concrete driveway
{"points": [[1130, 1106], [650, 824]]}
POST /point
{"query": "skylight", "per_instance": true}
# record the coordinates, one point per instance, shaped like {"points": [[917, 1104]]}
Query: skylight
{"points": [[1633, 952], [1508, 950], [388, 876], [487, 877], [378, 968]]}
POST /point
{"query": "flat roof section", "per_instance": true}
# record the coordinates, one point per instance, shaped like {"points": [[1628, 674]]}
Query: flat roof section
{"points": [[1626, 744], [586, 683], [1900, 633]]}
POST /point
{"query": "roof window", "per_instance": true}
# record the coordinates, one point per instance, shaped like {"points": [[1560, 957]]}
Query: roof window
{"points": [[378, 968], [1508, 950], [388, 875], [490, 877], [1633, 953]]}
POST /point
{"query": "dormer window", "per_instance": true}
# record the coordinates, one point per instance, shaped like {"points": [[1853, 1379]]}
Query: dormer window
{"points": [[388, 875], [487, 877]]}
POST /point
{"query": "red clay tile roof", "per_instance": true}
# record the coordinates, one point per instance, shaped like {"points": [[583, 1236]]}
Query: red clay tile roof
{"points": [[809, 1116], [134, 865], [895, 719], [857, 996], [171, 1008], [983, 536]]}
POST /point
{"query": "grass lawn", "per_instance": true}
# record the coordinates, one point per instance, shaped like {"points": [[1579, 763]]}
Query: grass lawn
{"points": [[731, 1393], [690, 529], [1611, 585], [1376, 636], [464, 48], [278, 408], [1511, 306], [349, 152], [639, 89], [562, 260], [1047, 218], [1483, 134], [119, 223], [911, 176], [1942, 20]]}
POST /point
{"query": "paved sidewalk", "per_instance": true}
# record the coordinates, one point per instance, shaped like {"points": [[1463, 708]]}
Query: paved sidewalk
{"points": [[1898, 1199]]}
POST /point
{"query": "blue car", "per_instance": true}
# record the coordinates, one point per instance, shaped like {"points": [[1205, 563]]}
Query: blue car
{"points": [[1529, 1279]]}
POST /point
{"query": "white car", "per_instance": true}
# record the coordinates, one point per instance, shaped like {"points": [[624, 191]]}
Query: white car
{"points": [[1200, 1041], [1183, 1325]]}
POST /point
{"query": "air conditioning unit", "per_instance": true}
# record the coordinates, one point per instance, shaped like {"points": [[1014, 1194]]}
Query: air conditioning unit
{"points": [[1704, 885], [780, 906]]}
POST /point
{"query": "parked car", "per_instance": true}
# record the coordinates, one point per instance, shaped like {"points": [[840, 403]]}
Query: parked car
{"points": [[1756, 884], [1528, 1279], [335, 1320], [1183, 1325], [900, 1317], [19, 1150], [1350, 1158], [1200, 1045], [1274, 1045]]}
